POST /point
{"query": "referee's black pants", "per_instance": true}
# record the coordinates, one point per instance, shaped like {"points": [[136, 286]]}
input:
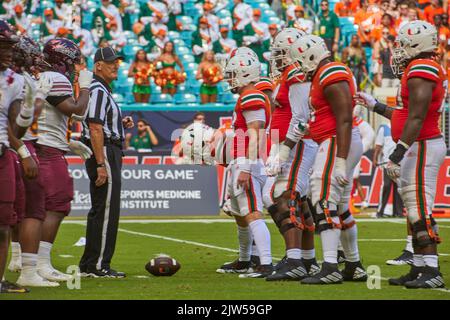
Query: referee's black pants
{"points": [[103, 218], [397, 205]]}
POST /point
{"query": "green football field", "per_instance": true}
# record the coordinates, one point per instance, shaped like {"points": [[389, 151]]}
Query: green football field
{"points": [[202, 245]]}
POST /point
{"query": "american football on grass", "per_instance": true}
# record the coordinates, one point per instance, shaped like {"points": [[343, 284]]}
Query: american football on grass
{"points": [[163, 266]]}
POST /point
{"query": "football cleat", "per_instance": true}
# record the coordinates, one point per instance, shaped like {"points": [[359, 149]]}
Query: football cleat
{"points": [[293, 269], [51, 274], [261, 271], [405, 258], [105, 273], [35, 281], [413, 273], [429, 278], [329, 274], [8, 287], [311, 266], [235, 266], [354, 271], [280, 263], [15, 265], [341, 256]]}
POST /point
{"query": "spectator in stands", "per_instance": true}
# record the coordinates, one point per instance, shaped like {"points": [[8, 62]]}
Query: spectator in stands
{"points": [[158, 24], [273, 31], [393, 9], [365, 20], [141, 70], [167, 77], [85, 41], [346, 8], [421, 4], [242, 15], [433, 9], [443, 39], [384, 146], [209, 72], [388, 79], [19, 20], [403, 16], [208, 13], [145, 139], [223, 46], [300, 22], [203, 39], [50, 26], [445, 20], [150, 8], [126, 10], [102, 19], [61, 11], [355, 57], [7, 9], [387, 22], [329, 27], [118, 39], [256, 35], [174, 9], [289, 10]]}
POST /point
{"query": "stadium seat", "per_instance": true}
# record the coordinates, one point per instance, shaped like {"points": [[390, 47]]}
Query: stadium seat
{"points": [[118, 97], [229, 98], [179, 43], [185, 98], [182, 50], [187, 58], [161, 98], [174, 35], [130, 51]]}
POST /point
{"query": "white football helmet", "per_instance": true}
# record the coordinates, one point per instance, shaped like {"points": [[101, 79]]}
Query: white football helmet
{"points": [[308, 52], [280, 57], [195, 143], [242, 70], [243, 51], [413, 39]]}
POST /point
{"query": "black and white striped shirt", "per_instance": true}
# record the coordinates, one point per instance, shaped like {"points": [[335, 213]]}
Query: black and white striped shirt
{"points": [[104, 110]]}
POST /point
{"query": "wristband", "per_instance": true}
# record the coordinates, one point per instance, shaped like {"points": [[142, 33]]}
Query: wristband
{"points": [[23, 152], [379, 108], [399, 152], [25, 117], [101, 165]]}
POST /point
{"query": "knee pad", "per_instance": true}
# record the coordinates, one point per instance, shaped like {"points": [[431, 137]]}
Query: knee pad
{"points": [[324, 217], [278, 218]]}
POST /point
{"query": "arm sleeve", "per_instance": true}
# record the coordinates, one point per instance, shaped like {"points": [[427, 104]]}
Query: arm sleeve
{"points": [[254, 115], [298, 98], [96, 110], [379, 140]]}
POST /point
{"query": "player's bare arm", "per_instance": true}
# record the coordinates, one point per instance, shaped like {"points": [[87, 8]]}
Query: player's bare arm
{"points": [[97, 142], [71, 106], [30, 167], [340, 99]]}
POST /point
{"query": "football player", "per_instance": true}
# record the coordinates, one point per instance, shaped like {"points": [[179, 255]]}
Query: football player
{"points": [[16, 119], [59, 57], [250, 119], [420, 148], [290, 160], [340, 149]]}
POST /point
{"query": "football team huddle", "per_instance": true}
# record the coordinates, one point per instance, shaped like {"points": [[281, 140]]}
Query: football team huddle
{"points": [[292, 148]]}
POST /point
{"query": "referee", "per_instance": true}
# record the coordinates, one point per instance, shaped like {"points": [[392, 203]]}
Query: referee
{"points": [[103, 132]]}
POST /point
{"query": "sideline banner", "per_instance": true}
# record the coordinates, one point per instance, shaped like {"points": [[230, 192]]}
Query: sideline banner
{"points": [[157, 190]]}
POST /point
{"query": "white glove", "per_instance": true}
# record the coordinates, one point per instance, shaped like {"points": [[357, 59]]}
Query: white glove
{"points": [[365, 100], [277, 159], [80, 149], [43, 87], [301, 130], [340, 171], [85, 79], [393, 170]]}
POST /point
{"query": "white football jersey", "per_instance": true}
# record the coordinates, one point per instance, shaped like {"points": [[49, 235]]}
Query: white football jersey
{"points": [[52, 125], [11, 89]]}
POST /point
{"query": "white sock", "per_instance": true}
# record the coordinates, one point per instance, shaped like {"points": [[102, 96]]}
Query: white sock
{"points": [[15, 250], [294, 253], [349, 241], [431, 260], [29, 264], [45, 249], [245, 243], [261, 235], [330, 242], [418, 260], [409, 246], [309, 254]]}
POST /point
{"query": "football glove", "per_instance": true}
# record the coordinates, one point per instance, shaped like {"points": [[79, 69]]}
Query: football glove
{"points": [[340, 171], [80, 149]]}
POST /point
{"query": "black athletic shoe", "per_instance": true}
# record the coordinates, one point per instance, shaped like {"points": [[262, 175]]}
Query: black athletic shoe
{"points": [[341, 256], [255, 261], [311, 266], [261, 271], [405, 258], [329, 274], [8, 287], [293, 269], [105, 273], [354, 271], [428, 279], [280, 263], [412, 275], [235, 266]]}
